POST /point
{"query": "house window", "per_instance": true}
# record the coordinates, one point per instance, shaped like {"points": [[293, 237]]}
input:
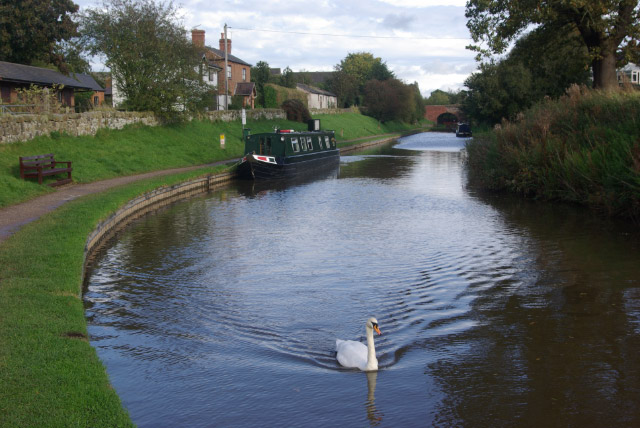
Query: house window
{"points": [[244, 74], [228, 72], [211, 74], [96, 100], [634, 76]]}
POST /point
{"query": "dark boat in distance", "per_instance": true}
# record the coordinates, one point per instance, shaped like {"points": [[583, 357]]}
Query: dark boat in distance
{"points": [[463, 130], [286, 153]]}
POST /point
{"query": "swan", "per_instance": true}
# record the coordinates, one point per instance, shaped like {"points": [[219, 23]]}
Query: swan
{"points": [[351, 353]]}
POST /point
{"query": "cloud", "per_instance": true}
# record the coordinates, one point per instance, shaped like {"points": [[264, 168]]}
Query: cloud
{"points": [[402, 21], [420, 40]]}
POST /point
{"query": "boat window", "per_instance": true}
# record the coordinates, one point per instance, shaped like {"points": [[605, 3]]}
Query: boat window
{"points": [[326, 141], [261, 145], [269, 145], [303, 144], [294, 145], [309, 143]]}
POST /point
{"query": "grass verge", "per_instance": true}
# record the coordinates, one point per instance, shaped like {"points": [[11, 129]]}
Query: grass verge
{"points": [[138, 149], [582, 148], [50, 375]]}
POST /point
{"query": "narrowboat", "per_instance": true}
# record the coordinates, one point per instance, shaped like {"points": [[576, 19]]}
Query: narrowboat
{"points": [[285, 153], [463, 130]]}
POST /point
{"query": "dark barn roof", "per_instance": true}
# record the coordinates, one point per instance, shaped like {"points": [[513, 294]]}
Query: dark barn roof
{"points": [[25, 74], [316, 76]]}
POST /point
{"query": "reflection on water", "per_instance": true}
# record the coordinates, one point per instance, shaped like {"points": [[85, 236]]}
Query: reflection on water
{"points": [[223, 310], [373, 414]]}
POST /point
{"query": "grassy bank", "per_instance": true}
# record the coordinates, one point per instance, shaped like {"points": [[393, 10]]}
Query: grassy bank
{"points": [[50, 374], [135, 150], [582, 148]]}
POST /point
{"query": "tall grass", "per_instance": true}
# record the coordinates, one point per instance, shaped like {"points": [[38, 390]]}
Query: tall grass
{"points": [[583, 147]]}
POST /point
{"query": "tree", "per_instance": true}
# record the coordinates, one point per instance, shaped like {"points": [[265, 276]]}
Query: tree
{"points": [[30, 30], [260, 74], [288, 79], [392, 99], [345, 86], [363, 66], [152, 61], [603, 26], [499, 90], [438, 97], [541, 64]]}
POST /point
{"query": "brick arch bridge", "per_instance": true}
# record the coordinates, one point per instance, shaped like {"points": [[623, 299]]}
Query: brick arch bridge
{"points": [[432, 113]]}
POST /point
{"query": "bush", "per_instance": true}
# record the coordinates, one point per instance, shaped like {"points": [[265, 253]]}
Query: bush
{"points": [[581, 148], [296, 111]]}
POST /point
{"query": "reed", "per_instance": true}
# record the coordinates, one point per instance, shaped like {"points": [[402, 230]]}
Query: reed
{"points": [[583, 147]]}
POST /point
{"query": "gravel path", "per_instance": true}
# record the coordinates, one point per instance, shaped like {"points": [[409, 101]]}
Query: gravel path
{"points": [[15, 216]]}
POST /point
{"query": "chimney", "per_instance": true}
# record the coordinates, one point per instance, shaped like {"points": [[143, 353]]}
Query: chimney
{"points": [[197, 37], [222, 43]]}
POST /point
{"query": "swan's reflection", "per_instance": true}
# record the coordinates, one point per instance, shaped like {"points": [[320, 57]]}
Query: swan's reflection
{"points": [[373, 414]]}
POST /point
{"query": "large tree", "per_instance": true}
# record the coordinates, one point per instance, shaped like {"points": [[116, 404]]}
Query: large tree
{"points": [[30, 30], [605, 27], [542, 63], [152, 61]]}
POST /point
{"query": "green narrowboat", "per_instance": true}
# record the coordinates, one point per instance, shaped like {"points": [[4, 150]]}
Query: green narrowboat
{"points": [[286, 153]]}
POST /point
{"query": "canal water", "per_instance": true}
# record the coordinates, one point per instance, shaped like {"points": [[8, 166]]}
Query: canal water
{"points": [[223, 310]]}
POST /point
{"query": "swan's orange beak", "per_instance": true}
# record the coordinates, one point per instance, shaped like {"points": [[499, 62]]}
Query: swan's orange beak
{"points": [[375, 327]]}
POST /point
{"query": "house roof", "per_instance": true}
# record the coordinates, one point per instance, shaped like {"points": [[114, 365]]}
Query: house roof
{"points": [[232, 58], [314, 90], [630, 67], [316, 76], [88, 80], [20, 73], [245, 88]]}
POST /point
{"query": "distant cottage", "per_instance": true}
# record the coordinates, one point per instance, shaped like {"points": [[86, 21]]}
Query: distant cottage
{"points": [[318, 98], [630, 73]]}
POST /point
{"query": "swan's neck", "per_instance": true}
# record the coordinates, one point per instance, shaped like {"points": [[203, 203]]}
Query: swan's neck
{"points": [[372, 361]]}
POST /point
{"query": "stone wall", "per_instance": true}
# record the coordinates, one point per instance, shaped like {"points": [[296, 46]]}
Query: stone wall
{"points": [[25, 127]]}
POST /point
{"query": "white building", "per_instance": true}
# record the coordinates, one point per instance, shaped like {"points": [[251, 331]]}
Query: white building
{"points": [[318, 98], [629, 73]]}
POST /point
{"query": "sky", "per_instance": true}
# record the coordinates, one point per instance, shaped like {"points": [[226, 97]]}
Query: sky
{"points": [[420, 40]]}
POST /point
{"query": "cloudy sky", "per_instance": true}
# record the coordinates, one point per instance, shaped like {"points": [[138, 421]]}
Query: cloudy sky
{"points": [[420, 40]]}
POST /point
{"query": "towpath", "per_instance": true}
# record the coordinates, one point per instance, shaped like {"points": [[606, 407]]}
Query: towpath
{"points": [[13, 217]]}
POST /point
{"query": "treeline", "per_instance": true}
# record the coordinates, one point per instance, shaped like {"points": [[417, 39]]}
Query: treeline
{"points": [[360, 79]]}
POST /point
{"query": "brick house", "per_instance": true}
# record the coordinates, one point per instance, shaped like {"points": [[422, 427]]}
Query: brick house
{"points": [[18, 76], [238, 71]]}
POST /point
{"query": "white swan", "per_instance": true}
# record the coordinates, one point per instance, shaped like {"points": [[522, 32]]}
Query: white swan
{"points": [[355, 354]]}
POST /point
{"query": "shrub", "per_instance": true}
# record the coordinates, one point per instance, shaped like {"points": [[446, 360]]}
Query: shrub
{"points": [[296, 111], [582, 148]]}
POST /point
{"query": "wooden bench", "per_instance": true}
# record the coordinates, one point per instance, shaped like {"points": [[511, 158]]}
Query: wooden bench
{"points": [[43, 165]]}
